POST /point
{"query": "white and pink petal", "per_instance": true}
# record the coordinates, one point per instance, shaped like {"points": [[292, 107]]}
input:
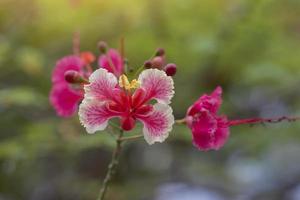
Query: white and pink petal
{"points": [[158, 123], [102, 85], [94, 115], [157, 85]]}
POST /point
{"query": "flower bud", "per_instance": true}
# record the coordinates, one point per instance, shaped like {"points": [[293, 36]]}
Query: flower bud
{"points": [[160, 52], [157, 62], [72, 76], [102, 47], [147, 64], [170, 69], [87, 57]]}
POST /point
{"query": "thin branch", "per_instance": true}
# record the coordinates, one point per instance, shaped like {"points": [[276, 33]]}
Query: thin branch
{"points": [[76, 43], [253, 121], [180, 121], [111, 167], [131, 137], [122, 48], [116, 126]]}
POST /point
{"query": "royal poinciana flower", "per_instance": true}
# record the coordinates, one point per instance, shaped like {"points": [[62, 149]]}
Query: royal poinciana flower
{"points": [[64, 96], [106, 98], [210, 131]]}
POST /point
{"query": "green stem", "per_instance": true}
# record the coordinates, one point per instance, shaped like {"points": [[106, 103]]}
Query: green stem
{"points": [[141, 68], [131, 137], [111, 167], [138, 71], [115, 158], [180, 121]]}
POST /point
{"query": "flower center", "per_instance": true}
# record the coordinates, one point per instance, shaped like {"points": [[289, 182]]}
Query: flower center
{"points": [[124, 83]]}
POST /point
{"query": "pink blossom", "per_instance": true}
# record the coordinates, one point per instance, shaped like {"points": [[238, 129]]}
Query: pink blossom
{"points": [[105, 99], [209, 130], [64, 64], [63, 97], [112, 62], [65, 100]]}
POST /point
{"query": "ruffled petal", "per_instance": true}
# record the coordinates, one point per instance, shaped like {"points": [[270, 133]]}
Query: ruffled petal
{"points": [[222, 133], [209, 131], [210, 102], [65, 64], [157, 85], [64, 100], [102, 85], [158, 123], [94, 115], [112, 62], [203, 129]]}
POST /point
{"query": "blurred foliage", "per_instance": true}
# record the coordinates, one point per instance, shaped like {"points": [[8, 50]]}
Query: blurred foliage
{"points": [[249, 47]]}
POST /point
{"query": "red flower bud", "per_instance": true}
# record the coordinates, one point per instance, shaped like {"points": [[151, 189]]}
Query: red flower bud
{"points": [[102, 46], [160, 52], [147, 64], [170, 69], [72, 76]]}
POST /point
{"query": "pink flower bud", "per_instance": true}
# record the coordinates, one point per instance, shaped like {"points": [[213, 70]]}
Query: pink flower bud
{"points": [[72, 76], [102, 46], [157, 62], [210, 131], [170, 69], [160, 52]]}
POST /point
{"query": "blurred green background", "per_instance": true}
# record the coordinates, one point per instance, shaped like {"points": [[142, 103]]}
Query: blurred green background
{"points": [[249, 47]]}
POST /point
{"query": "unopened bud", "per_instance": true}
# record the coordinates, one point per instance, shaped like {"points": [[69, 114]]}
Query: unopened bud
{"points": [[72, 76], [147, 64], [170, 69], [157, 62], [87, 57], [102, 46], [160, 52]]}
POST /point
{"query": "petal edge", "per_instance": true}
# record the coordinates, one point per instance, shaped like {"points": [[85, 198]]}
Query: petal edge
{"points": [[158, 123], [157, 85], [94, 115]]}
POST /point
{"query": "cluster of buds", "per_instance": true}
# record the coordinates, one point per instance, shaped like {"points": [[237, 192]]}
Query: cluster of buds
{"points": [[158, 62]]}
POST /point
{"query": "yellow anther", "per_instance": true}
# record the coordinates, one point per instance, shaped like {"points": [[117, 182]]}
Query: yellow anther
{"points": [[134, 84], [124, 83]]}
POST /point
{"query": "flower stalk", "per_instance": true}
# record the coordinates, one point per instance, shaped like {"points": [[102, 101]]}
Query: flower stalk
{"points": [[262, 120], [131, 137], [76, 43], [112, 166]]}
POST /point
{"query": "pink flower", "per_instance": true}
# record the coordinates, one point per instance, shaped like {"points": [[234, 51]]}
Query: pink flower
{"points": [[105, 99], [210, 131], [63, 97], [112, 62], [65, 100]]}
